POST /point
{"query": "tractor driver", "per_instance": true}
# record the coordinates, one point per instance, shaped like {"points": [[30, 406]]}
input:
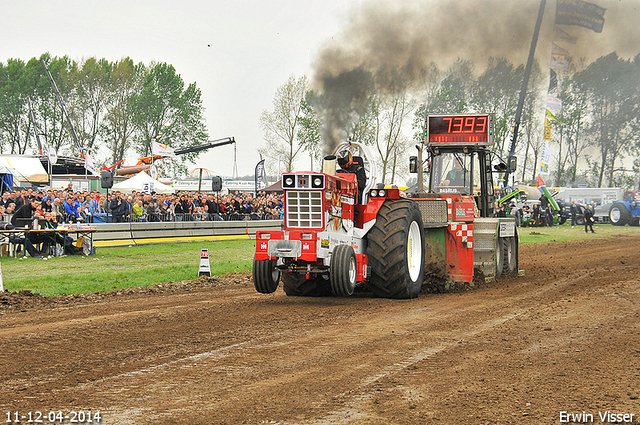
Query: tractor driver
{"points": [[355, 165], [456, 176]]}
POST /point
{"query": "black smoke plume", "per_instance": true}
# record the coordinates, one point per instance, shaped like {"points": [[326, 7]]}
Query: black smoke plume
{"points": [[386, 46]]}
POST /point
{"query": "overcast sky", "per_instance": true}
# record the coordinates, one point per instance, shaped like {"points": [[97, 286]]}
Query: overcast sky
{"points": [[238, 52]]}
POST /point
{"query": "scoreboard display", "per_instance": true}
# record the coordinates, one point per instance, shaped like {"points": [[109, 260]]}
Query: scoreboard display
{"points": [[457, 130]]}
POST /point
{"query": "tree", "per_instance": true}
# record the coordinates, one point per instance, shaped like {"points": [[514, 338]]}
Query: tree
{"points": [[282, 124], [118, 124], [613, 95], [91, 80], [164, 108], [309, 127], [496, 91], [390, 144]]}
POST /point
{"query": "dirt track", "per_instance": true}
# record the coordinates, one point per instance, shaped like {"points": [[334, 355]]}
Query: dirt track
{"points": [[565, 337]]}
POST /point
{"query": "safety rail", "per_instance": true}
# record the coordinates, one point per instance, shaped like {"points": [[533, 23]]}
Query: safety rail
{"points": [[139, 233]]}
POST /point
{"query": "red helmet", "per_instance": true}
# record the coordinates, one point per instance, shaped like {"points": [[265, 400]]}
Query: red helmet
{"points": [[345, 158]]}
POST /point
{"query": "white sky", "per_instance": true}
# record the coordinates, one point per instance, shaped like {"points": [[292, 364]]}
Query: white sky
{"points": [[254, 47], [238, 52]]}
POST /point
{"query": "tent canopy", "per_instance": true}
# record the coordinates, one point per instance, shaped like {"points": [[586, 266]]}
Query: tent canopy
{"points": [[139, 182], [24, 168]]}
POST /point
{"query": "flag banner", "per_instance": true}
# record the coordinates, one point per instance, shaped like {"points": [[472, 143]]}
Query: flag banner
{"points": [[540, 181], [546, 136], [558, 51], [580, 13], [545, 159], [559, 62], [553, 81], [260, 180], [89, 165], [553, 117], [554, 103], [161, 150], [562, 36]]}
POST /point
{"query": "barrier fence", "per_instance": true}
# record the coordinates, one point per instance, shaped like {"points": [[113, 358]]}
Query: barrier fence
{"points": [[138, 233]]}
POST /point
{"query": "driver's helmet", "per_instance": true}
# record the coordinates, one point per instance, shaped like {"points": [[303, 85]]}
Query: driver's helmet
{"points": [[345, 158]]}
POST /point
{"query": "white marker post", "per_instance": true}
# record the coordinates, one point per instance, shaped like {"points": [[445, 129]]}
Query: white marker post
{"points": [[205, 267], [1, 286]]}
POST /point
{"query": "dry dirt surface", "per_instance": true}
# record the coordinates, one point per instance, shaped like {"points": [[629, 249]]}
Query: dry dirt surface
{"points": [[565, 337]]}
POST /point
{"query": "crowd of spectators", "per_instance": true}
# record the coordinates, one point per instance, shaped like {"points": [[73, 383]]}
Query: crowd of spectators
{"points": [[68, 206]]}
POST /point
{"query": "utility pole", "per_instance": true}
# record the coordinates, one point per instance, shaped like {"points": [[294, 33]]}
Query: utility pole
{"points": [[523, 90]]}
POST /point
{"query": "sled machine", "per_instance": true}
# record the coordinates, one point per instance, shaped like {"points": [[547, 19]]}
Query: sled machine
{"points": [[339, 235]]}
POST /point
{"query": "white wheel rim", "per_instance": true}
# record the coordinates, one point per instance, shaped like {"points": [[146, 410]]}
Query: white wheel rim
{"points": [[414, 251], [615, 215], [353, 272]]}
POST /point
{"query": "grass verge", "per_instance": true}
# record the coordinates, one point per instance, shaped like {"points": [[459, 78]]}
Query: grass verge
{"points": [[122, 267], [567, 233]]}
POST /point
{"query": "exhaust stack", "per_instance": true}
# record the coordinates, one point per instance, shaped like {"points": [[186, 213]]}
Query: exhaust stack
{"points": [[329, 165]]}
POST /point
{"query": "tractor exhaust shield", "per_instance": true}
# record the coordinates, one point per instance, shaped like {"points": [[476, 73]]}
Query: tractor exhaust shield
{"points": [[329, 165]]}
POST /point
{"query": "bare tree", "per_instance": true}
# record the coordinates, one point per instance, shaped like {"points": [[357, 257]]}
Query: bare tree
{"points": [[281, 125]]}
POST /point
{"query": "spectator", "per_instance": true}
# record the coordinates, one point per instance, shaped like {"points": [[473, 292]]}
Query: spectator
{"points": [[153, 212], [118, 208], [588, 219], [137, 212], [574, 211], [70, 210]]}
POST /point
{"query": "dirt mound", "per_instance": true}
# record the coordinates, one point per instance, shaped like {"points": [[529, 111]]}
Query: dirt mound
{"points": [[25, 299]]}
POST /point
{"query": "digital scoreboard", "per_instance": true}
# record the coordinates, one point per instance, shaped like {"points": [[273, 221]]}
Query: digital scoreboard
{"points": [[456, 130]]}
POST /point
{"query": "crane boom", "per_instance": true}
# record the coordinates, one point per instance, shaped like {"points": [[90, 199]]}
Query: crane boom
{"points": [[189, 149], [64, 109]]}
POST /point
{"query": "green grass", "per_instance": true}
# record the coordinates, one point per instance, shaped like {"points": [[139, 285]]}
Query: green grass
{"points": [[144, 265], [567, 233], [122, 267]]}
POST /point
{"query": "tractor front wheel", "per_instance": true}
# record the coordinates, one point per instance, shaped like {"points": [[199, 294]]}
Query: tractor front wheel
{"points": [[265, 276], [619, 214], [396, 250], [344, 270]]}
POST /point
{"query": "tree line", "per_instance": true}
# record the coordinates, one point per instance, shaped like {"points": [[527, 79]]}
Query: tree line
{"points": [[597, 129], [119, 107]]}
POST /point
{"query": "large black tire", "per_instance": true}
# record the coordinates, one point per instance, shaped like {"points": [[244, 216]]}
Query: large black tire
{"points": [[344, 271], [265, 276], [297, 285], [619, 215], [510, 256], [396, 250], [500, 258]]}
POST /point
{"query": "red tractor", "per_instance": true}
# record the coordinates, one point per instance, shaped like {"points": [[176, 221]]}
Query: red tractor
{"points": [[338, 234]]}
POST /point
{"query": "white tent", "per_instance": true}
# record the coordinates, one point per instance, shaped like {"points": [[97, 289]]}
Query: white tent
{"points": [[142, 182], [24, 168]]}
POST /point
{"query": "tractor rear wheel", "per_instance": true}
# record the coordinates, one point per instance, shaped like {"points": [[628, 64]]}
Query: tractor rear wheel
{"points": [[396, 250], [619, 214], [344, 270], [297, 285], [265, 276]]}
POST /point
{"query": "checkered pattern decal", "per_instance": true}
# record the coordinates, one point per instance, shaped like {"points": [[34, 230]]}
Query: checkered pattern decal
{"points": [[463, 233]]}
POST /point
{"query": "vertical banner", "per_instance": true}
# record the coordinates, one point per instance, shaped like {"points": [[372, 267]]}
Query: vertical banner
{"points": [[162, 150], [547, 130], [553, 82], [260, 180], [562, 36], [89, 165], [545, 158], [580, 13]]}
